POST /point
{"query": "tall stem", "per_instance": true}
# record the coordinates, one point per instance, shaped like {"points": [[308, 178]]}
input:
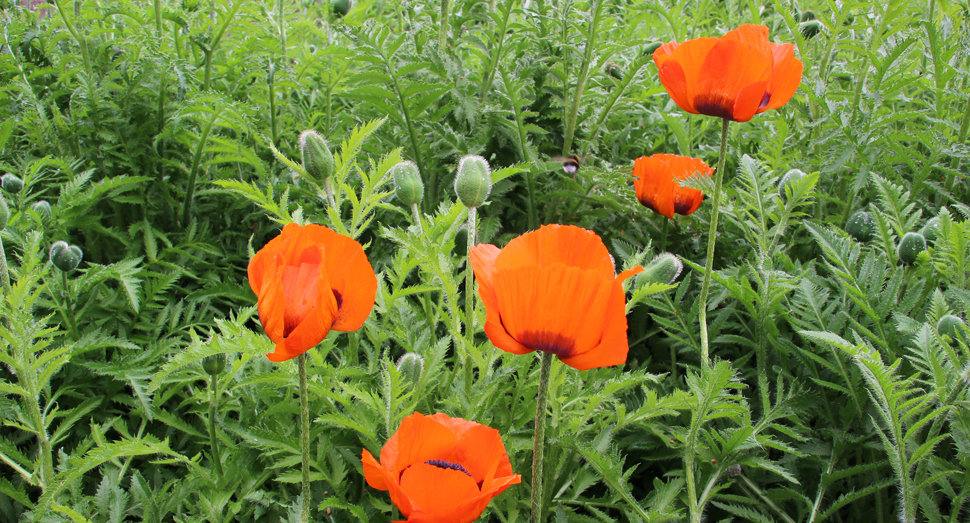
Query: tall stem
{"points": [[469, 298], [416, 216], [443, 27], [539, 442], [304, 439], [68, 306], [213, 411], [712, 238], [571, 116]]}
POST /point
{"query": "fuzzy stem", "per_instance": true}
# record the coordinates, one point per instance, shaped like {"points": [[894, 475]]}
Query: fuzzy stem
{"points": [[469, 298], [353, 346], [274, 133], [4, 274], [711, 240], [304, 438], [416, 216], [539, 442], [571, 116], [443, 26], [328, 192], [68, 307], [213, 411]]}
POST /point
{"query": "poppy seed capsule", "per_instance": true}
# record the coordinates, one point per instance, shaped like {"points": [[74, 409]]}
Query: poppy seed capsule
{"points": [[788, 183], [408, 186], [910, 246], [810, 28], [861, 227], [949, 324], [42, 208], [931, 231], [340, 7], [410, 366], [665, 268], [316, 156], [214, 365], [66, 257], [11, 183], [473, 181]]}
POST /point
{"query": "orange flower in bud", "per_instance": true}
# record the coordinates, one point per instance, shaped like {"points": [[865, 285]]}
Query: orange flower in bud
{"points": [[554, 290], [309, 280], [439, 469], [733, 77], [657, 184]]}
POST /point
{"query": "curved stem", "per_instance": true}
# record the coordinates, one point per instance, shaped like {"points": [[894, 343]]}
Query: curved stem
{"points": [[416, 216], [213, 411], [539, 441], [304, 439], [711, 240]]}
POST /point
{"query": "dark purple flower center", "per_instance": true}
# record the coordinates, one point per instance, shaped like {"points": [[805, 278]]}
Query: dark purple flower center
{"points": [[442, 464], [552, 342]]}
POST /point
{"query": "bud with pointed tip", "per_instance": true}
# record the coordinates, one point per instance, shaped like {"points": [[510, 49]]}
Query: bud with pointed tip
{"points": [[214, 365], [474, 181], [949, 324], [66, 257], [11, 183], [316, 156], [665, 268], [410, 366], [408, 186], [42, 208], [910, 246]]}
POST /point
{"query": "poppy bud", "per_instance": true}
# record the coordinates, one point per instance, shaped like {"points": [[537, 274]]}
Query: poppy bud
{"points": [[42, 208], [734, 470], [613, 69], [931, 231], [66, 257], [474, 181], [11, 183], [810, 28], [788, 183], [214, 365], [410, 366], [910, 246], [949, 324], [650, 48], [408, 186], [665, 268], [861, 227], [312, 48], [4, 213], [340, 7], [316, 156], [805, 16]]}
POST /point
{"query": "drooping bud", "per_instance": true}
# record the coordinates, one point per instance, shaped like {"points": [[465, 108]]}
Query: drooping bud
{"points": [[66, 257], [931, 231], [410, 366], [910, 246], [214, 365], [408, 186], [788, 183], [341, 7], [474, 181], [665, 268], [949, 324], [11, 183], [316, 156], [861, 226], [613, 69], [4, 213], [810, 28], [42, 208]]}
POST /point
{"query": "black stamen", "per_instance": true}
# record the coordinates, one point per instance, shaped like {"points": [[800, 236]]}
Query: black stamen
{"points": [[442, 464]]}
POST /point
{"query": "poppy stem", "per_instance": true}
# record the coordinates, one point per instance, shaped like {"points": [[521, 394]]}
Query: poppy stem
{"points": [[470, 296], [539, 442], [711, 239], [213, 412], [416, 215], [305, 438]]}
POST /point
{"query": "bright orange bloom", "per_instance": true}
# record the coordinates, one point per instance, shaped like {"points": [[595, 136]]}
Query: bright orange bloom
{"points": [[440, 469], [309, 280], [733, 77], [657, 184], [554, 290]]}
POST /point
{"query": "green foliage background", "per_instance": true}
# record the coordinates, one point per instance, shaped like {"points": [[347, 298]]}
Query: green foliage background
{"points": [[164, 137]]}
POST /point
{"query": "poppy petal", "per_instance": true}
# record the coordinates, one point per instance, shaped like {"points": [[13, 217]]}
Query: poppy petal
{"points": [[482, 258], [654, 184], [614, 346], [690, 56], [270, 301], [378, 477], [674, 79], [479, 449], [419, 439], [433, 489], [729, 67], [786, 76], [557, 244], [352, 278], [312, 330]]}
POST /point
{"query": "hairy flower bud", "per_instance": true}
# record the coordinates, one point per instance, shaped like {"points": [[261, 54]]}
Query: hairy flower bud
{"points": [[408, 186], [410, 366], [861, 227], [341, 7], [316, 156], [788, 183], [11, 183], [613, 69], [665, 268], [949, 324], [42, 208], [931, 231], [910, 246], [474, 181], [810, 28], [214, 365], [66, 257], [4, 213]]}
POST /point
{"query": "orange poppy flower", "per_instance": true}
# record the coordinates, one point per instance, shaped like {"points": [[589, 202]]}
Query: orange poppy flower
{"points": [[657, 184], [440, 469], [554, 290], [734, 77], [309, 280]]}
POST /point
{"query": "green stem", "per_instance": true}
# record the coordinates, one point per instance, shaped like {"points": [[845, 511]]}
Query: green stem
{"points": [[272, 109], [69, 307], [213, 412], [4, 274], [539, 441], [196, 160], [470, 297], [765, 499], [443, 26], [581, 80], [158, 19], [282, 30], [328, 193], [82, 43], [711, 240], [493, 60], [353, 346], [416, 216], [304, 439]]}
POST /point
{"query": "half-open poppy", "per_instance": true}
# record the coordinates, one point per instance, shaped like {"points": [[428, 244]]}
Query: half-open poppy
{"points": [[657, 186], [734, 77], [440, 469], [554, 290], [309, 280]]}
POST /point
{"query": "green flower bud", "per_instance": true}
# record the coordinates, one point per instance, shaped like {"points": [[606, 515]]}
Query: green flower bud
{"points": [[650, 48], [474, 181], [410, 366], [191, 5], [11, 183], [805, 16], [4, 213], [788, 183], [910, 246], [665, 268], [341, 7], [861, 226], [408, 186], [931, 231], [949, 324], [66, 257], [810, 28], [317, 159], [613, 69], [42, 208], [214, 365]]}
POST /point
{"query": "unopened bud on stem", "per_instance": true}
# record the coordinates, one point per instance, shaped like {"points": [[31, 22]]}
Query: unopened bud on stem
{"points": [[474, 181]]}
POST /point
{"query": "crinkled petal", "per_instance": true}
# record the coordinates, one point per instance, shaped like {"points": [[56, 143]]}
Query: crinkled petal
{"points": [[551, 244]]}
